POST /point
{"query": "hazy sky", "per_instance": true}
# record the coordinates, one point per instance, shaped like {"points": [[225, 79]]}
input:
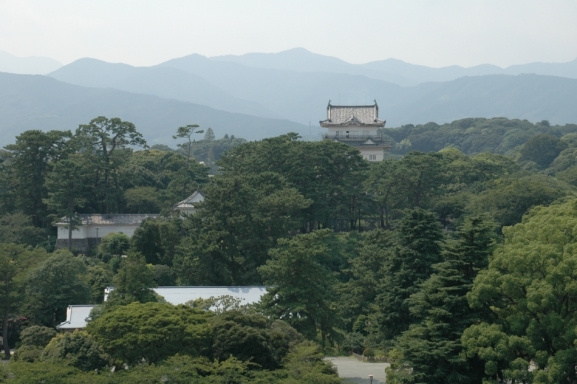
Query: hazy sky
{"points": [[428, 32]]}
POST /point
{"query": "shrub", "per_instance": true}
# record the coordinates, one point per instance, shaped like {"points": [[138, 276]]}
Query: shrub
{"points": [[77, 349], [37, 336], [28, 353]]}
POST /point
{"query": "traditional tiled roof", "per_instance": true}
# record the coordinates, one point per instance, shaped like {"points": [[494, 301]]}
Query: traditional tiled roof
{"points": [[352, 115], [112, 219], [77, 316], [191, 200]]}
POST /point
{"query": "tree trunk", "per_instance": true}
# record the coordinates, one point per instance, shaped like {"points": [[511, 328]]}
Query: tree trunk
{"points": [[70, 237], [5, 335]]}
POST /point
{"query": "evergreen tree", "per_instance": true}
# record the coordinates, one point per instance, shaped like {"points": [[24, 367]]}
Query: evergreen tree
{"points": [[132, 283], [209, 135], [300, 283], [417, 247], [430, 351]]}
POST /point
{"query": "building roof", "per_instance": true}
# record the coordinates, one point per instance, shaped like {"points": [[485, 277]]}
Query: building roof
{"points": [[112, 219], [181, 295], [190, 201], [343, 115], [77, 316]]}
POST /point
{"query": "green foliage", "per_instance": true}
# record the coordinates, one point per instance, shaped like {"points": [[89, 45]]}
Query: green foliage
{"points": [[68, 185], [99, 278], [142, 200], [542, 149], [157, 239], [416, 248], [357, 295], [431, 351], [472, 135], [77, 349], [29, 163], [508, 199], [37, 336], [301, 283], [238, 222], [187, 132], [132, 283], [15, 260], [115, 244], [107, 141], [209, 135], [529, 288], [151, 331], [55, 284], [28, 353], [247, 337], [220, 304], [164, 275], [18, 228], [305, 364]]}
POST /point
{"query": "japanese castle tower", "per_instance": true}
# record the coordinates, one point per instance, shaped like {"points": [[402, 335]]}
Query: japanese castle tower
{"points": [[357, 126]]}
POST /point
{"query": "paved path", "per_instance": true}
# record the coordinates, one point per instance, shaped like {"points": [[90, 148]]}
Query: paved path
{"points": [[357, 371]]}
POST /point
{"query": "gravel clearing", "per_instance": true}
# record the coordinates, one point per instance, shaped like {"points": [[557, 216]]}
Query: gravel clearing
{"points": [[357, 371]]}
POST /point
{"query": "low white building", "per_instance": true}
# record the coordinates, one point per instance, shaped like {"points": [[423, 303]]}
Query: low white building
{"points": [[94, 227], [77, 316]]}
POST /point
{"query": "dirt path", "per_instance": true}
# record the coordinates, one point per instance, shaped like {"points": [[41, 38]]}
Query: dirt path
{"points": [[357, 371]]}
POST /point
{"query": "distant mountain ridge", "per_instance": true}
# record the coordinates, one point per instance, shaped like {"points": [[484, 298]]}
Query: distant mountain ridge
{"points": [[40, 102], [34, 65], [240, 95], [166, 82], [391, 70]]}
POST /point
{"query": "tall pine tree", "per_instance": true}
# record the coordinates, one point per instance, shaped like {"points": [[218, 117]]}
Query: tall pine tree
{"points": [[430, 351], [417, 248]]}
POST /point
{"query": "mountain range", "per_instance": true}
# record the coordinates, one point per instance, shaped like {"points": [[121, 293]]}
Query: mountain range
{"points": [[40, 102], [34, 65], [258, 95]]}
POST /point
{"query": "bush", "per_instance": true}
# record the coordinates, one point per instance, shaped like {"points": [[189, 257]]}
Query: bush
{"points": [[354, 342], [28, 353], [369, 353], [246, 337], [77, 349], [151, 331], [116, 244], [164, 275], [37, 336]]}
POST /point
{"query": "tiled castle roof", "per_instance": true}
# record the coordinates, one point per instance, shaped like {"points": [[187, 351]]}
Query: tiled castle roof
{"points": [[352, 115]]}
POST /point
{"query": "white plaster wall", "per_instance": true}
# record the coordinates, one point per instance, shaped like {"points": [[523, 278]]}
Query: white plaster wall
{"points": [[365, 152], [84, 232], [78, 233]]}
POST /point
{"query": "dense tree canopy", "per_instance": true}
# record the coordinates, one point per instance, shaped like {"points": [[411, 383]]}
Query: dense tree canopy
{"points": [[453, 257]]}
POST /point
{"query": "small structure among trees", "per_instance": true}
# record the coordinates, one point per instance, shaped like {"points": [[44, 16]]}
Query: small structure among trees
{"points": [[91, 228]]}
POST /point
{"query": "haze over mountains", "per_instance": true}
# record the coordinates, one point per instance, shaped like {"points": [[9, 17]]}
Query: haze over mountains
{"points": [[258, 95], [392, 70], [34, 65]]}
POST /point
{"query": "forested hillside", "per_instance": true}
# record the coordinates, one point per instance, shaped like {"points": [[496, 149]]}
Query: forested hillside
{"points": [[453, 259], [39, 102]]}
